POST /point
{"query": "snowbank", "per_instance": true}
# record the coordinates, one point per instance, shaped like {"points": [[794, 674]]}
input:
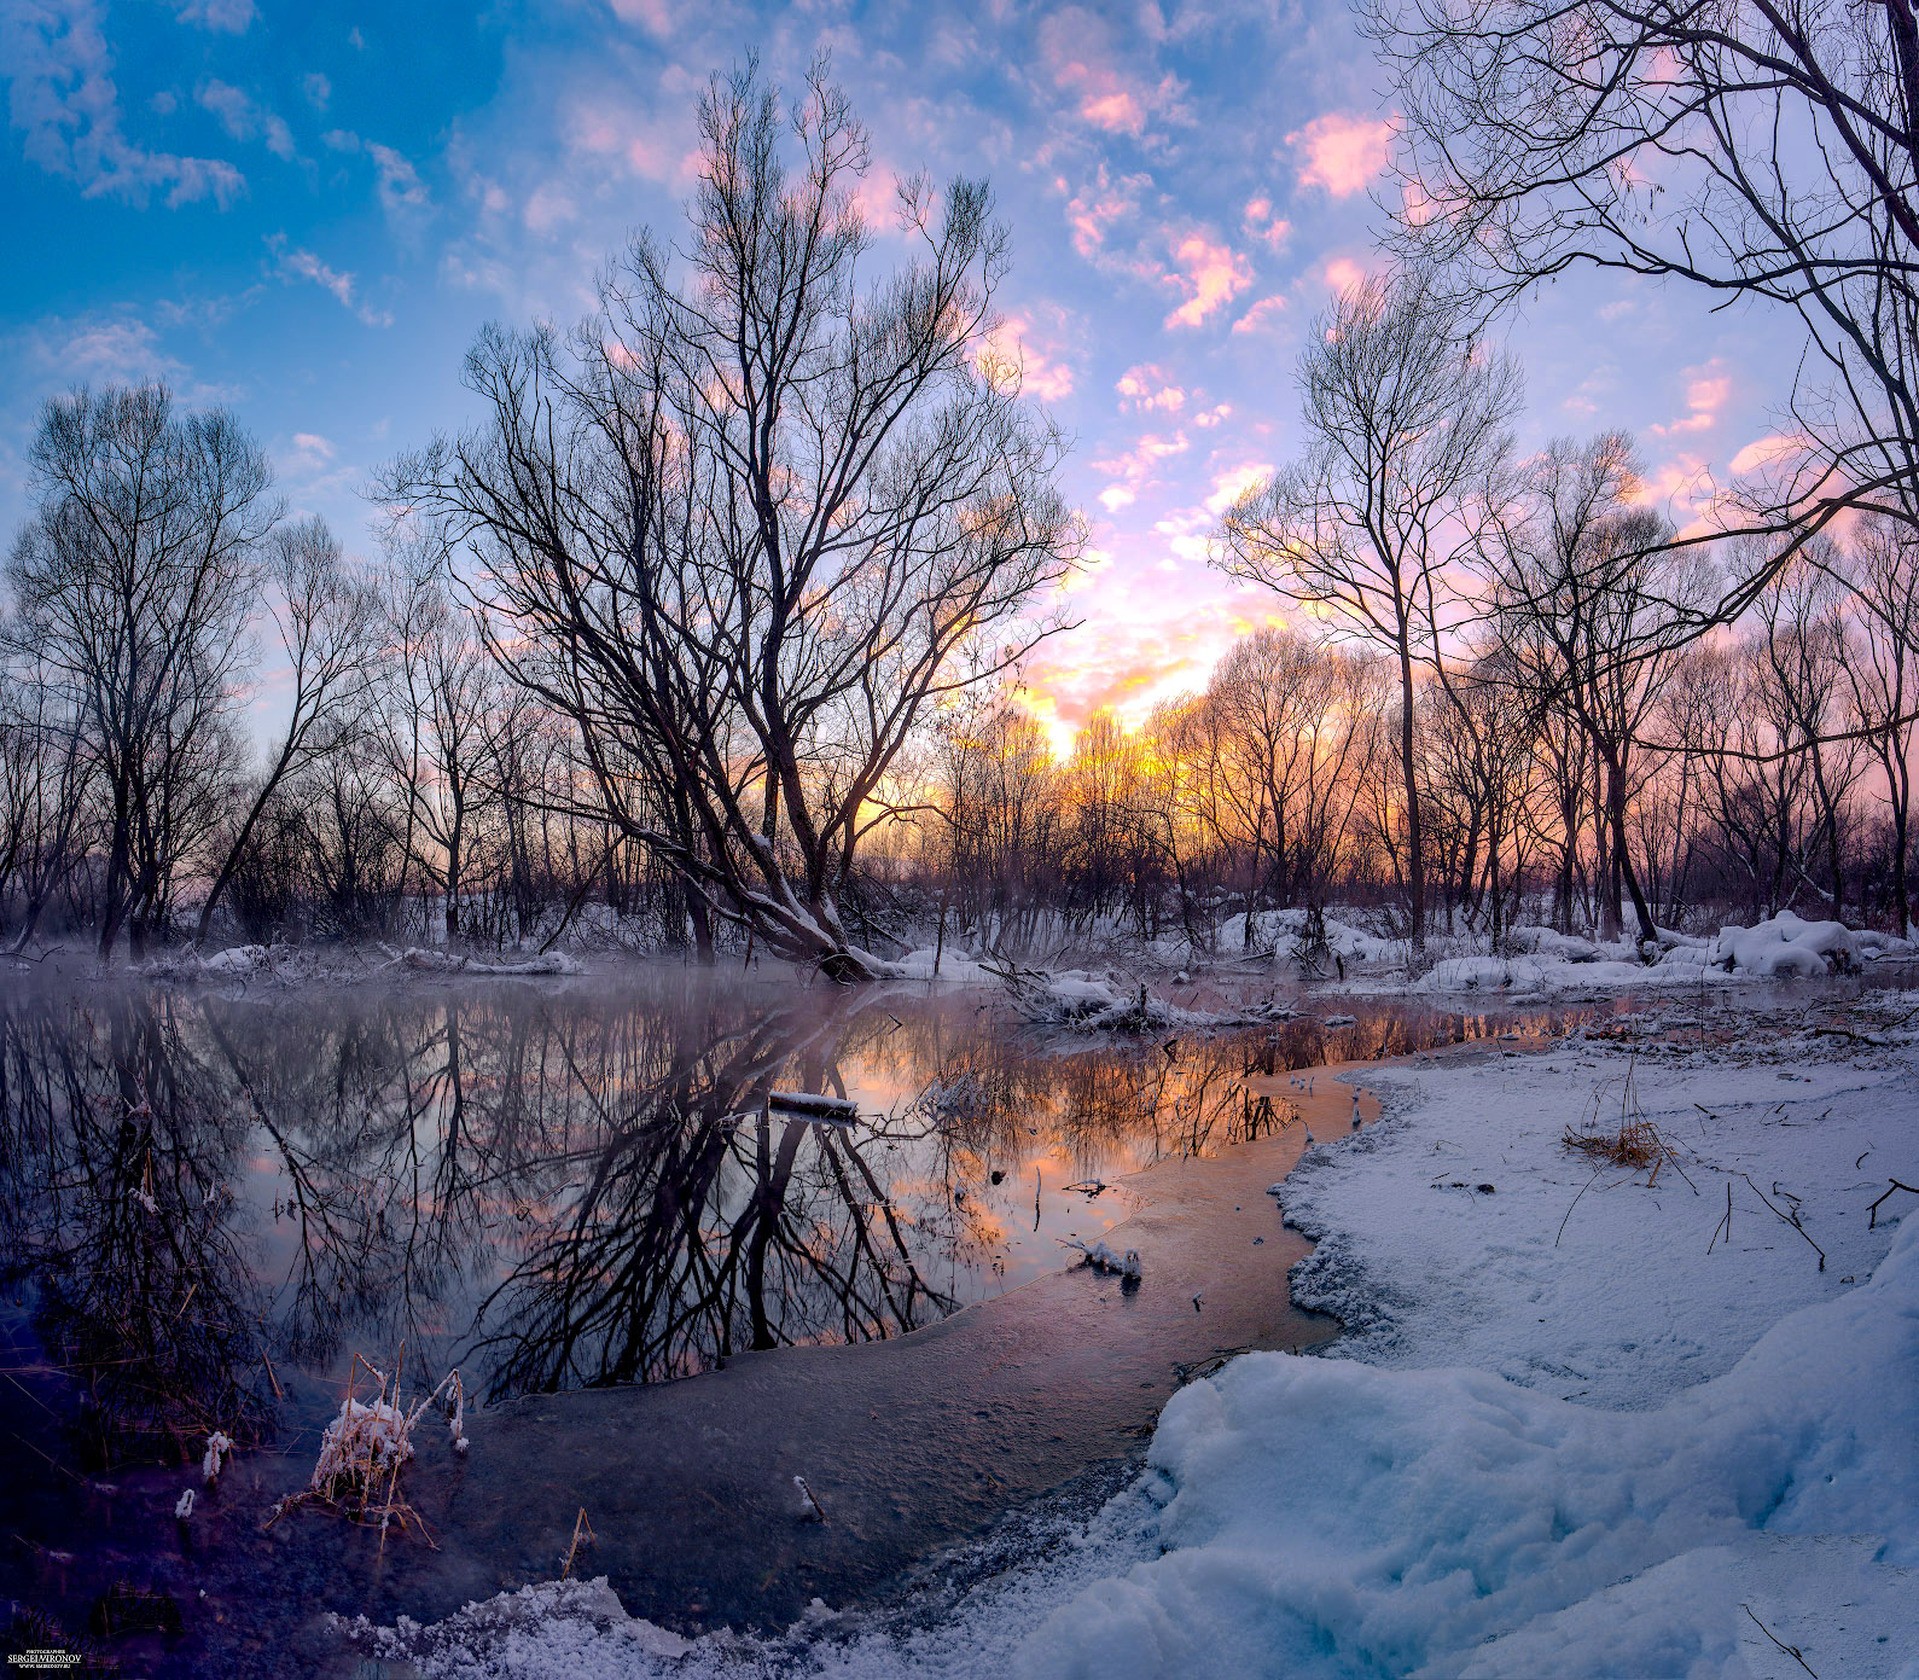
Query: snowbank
{"points": [[1783, 947], [1786, 945], [1604, 1288], [1549, 942], [237, 962], [297, 965], [1079, 1000], [1278, 931], [1327, 1518], [1544, 976], [954, 965], [424, 961]]}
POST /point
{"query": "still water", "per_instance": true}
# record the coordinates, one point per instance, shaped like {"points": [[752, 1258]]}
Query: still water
{"points": [[210, 1202]]}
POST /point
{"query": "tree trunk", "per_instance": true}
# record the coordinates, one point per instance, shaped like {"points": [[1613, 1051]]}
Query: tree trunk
{"points": [[1621, 853], [1415, 837]]}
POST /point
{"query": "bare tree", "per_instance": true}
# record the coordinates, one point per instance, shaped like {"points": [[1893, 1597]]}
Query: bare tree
{"points": [[1291, 735], [1882, 677], [1405, 417], [1807, 648], [132, 586], [751, 519], [997, 794], [328, 622], [1758, 148], [1480, 734], [1594, 606], [45, 786], [436, 705]]}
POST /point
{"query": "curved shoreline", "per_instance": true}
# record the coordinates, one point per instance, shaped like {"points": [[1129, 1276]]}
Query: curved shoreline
{"points": [[914, 1446]]}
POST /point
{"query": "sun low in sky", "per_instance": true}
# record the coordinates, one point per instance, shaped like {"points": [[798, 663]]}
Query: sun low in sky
{"points": [[306, 212]]}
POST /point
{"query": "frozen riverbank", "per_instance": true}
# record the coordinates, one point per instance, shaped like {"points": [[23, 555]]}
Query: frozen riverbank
{"points": [[1577, 1428]]}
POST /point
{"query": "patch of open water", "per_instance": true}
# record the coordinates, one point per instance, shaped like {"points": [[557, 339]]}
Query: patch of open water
{"points": [[575, 1192]]}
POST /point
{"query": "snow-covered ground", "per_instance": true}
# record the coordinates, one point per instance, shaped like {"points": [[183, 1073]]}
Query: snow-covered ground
{"points": [[1588, 1420]]}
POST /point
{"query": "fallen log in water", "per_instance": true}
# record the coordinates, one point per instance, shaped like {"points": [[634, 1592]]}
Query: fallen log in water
{"points": [[814, 1103]]}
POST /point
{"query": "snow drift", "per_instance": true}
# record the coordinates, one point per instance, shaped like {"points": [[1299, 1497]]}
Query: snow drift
{"points": [[1328, 1518], [1786, 945]]}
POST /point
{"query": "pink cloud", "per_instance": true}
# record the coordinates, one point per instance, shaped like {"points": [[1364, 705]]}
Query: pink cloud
{"points": [[549, 206], [1134, 469], [1016, 346], [1096, 207], [1260, 223], [1683, 487], [1261, 315], [654, 16], [1148, 387], [649, 149], [1343, 274], [1706, 394], [294, 263], [1210, 273], [1769, 451], [1234, 482], [1077, 53], [1341, 152]]}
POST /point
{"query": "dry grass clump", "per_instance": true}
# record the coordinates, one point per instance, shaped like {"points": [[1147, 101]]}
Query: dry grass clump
{"points": [[1636, 1144], [366, 1446]]}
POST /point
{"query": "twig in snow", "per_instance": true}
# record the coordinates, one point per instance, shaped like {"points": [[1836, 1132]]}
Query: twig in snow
{"points": [[1849, 1034], [1791, 1219], [1575, 1203], [1893, 1184], [1637, 1144], [1790, 1650], [1724, 1227], [583, 1535]]}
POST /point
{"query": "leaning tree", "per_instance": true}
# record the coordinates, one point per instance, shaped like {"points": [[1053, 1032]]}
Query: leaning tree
{"points": [[761, 511]]}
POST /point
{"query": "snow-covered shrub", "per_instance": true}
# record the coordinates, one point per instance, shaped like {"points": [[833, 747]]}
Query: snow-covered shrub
{"points": [[369, 1441], [1785, 945]]}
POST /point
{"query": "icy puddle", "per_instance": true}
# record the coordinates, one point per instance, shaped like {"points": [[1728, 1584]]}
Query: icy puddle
{"points": [[575, 1192]]}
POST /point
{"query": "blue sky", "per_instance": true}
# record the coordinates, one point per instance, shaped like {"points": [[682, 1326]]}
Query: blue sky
{"points": [[306, 212]]}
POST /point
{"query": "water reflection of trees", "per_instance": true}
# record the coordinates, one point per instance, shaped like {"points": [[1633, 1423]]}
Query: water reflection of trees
{"points": [[119, 1223], [570, 1192], [555, 1190], [707, 1224]]}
